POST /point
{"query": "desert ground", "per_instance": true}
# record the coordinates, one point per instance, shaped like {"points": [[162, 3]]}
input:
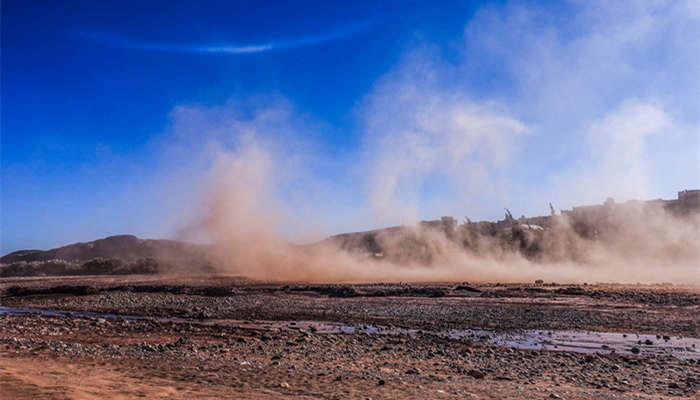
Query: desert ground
{"points": [[154, 336]]}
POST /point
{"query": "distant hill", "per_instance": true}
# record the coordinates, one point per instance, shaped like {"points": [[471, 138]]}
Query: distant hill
{"points": [[122, 247]]}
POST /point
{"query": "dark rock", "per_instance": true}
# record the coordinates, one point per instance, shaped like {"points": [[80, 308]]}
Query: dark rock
{"points": [[413, 371], [476, 374], [467, 288], [574, 291]]}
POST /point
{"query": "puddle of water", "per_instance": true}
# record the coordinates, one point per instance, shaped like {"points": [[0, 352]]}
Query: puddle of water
{"points": [[62, 313], [591, 342], [571, 341]]}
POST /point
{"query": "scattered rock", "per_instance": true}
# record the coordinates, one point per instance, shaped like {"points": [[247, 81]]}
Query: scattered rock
{"points": [[474, 373]]}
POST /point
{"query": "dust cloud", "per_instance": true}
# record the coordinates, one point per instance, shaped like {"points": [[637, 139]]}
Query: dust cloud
{"points": [[574, 132], [243, 217]]}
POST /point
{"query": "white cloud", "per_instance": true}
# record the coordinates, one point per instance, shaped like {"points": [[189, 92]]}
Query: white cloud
{"points": [[118, 41], [616, 157], [576, 72], [609, 93], [418, 132]]}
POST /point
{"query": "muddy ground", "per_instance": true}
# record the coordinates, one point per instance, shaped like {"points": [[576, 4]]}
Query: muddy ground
{"points": [[214, 337]]}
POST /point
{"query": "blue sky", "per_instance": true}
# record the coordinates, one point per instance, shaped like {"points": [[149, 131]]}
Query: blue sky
{"points": [[114, 114]]}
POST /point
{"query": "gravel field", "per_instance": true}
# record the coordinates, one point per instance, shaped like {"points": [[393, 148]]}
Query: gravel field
{"points": [[234, 338]]}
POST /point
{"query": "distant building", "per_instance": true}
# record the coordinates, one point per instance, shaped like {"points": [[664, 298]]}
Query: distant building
{"points": [[687, 201]]}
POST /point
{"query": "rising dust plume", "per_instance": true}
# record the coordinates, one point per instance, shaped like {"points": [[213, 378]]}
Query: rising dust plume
{"points": [[244, 220]]}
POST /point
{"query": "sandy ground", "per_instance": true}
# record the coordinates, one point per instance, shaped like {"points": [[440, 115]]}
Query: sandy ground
{"points": [[239, 339]]}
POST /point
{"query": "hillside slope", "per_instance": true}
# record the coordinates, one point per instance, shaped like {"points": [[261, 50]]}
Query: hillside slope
{"points": [[122, 247]]}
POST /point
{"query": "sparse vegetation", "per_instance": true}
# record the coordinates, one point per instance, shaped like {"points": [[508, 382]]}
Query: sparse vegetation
{"points": [[95, 266]]}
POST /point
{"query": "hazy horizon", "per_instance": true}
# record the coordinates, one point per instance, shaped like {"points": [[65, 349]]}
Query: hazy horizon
{"points": [[205, 241]]}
